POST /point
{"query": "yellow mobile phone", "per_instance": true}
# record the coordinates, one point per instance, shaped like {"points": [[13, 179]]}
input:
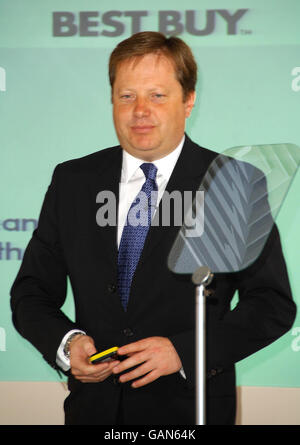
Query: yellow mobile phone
{"points": [[104, 356]]}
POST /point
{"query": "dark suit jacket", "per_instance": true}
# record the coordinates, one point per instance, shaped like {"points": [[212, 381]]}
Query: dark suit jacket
{"points": [[68, 242]]}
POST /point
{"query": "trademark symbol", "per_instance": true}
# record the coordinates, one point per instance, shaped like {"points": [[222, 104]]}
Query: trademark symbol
{"points": [[246, 31]]}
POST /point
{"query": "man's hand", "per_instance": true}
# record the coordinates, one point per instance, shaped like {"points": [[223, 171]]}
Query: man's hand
{"points": [[156, 357], [81, 347]]}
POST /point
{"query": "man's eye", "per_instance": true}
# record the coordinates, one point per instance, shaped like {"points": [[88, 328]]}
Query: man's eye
{"points": [[158, 96]]}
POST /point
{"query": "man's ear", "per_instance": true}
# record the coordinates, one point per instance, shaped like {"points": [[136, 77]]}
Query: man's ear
{"points": [[189, 103]]}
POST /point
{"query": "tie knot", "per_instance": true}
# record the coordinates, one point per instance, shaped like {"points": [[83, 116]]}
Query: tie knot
{"points": [[149, 170]]}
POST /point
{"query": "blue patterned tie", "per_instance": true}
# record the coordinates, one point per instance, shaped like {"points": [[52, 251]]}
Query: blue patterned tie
{"points": [[135, 231]]}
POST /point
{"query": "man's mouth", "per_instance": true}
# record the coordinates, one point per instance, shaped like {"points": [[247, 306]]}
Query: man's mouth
{"points": [[141, 129]]}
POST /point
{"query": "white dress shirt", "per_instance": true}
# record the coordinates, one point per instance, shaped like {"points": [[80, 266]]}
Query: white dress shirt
{"points": [[132, 180]]}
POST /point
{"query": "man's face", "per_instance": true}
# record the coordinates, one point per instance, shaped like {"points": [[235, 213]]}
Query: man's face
{"points": [[148, 108]]}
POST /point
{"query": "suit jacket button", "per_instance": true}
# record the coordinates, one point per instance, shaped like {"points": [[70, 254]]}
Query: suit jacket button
{"points": [[128, 332], [111, 287]]}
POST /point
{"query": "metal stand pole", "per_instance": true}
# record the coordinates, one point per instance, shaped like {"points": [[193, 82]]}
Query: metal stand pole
{"points": [[200, 355], [201, 277]]}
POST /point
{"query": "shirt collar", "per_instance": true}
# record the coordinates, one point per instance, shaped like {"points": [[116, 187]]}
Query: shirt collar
{"points": [[165, 165]]}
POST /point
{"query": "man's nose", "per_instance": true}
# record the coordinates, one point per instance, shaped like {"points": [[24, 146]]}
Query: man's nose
{"points": [[141, 108]]}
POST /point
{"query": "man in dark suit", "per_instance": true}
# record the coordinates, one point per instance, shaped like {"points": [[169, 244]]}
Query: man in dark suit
{"points": [[153, 92]]}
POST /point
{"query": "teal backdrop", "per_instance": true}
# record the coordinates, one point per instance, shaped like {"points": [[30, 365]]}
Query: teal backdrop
{"points": [[55, 105]]}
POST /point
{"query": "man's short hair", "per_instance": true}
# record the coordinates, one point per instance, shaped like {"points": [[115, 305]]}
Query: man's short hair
{"points": [[147, 42]]}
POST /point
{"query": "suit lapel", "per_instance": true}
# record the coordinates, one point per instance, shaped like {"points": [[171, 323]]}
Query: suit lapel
{"points": [[107, 178]]}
